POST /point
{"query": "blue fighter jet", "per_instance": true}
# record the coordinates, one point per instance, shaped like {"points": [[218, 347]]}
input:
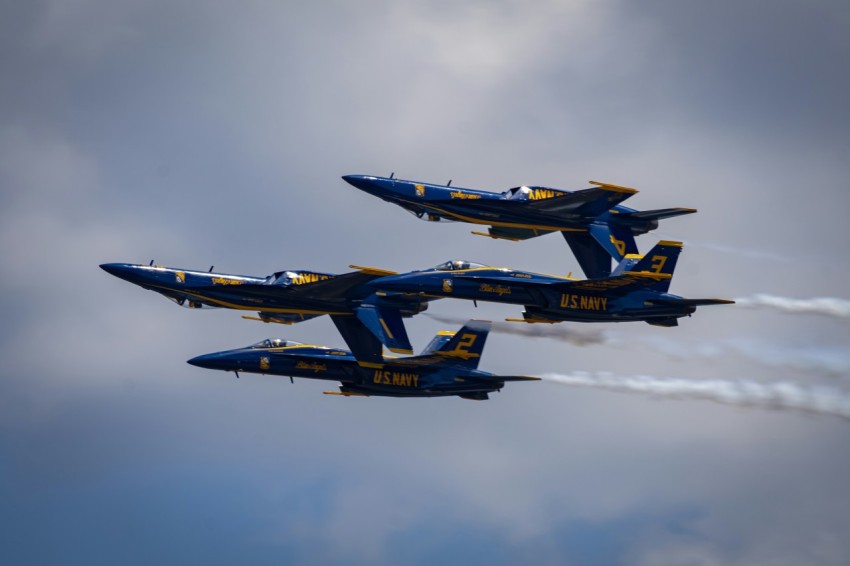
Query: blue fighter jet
{"points": [[447, 366], [593, 222], [636, 290], [365, 319]]}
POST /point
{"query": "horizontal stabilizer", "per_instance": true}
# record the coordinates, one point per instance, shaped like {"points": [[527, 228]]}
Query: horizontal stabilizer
{"points": [[642, 216], [690, 302], [492, 378]]}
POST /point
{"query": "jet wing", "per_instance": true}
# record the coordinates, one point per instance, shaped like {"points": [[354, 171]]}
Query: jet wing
{"points": [[660, 214], [511, 233], [281, 318], [336, 287], [586, 202], [339, 286]]}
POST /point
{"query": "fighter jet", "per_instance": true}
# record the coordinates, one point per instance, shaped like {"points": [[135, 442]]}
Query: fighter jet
{"points": [[636, 290], [447, 366], [593, 222], [365, 319]]}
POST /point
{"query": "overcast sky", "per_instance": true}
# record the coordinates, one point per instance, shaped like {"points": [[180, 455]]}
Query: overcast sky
{"points": [[215, 133]]}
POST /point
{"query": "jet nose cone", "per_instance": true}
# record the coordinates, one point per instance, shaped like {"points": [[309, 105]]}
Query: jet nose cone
{"points": [[207, 361], [362, 182], [120, 270], [353, 180], [229, 360]]}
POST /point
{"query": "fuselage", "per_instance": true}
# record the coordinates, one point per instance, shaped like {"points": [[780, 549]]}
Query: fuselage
{"points": [[280, 294], [320, 362], [545, 297], [507, 209]]}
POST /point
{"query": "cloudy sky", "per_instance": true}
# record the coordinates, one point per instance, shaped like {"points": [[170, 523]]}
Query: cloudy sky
{"points": [[215, 133]]}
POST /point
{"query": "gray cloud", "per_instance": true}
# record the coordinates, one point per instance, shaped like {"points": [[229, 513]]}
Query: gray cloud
{"points": [[217, 135]]}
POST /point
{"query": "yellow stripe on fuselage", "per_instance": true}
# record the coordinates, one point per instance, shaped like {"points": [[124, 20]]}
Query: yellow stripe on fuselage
{"points": [[251, 308]]}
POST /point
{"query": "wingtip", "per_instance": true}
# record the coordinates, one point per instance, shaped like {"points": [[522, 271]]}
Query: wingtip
{"points": [[614, 188], [373, 270], [407, 351]]}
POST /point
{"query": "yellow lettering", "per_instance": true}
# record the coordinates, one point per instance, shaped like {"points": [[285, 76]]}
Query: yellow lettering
{"points": [[583, 302], [224, 281], [619, 244], [658, 262], [498, 289], [304, 278], [466, 342], [462, 195], [395, 378]]}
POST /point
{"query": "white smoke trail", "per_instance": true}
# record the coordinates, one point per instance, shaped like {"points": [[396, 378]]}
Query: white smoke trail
{"points": [[830, 362], [724, 248], [744, 393], [827, 306], [742, 252]]}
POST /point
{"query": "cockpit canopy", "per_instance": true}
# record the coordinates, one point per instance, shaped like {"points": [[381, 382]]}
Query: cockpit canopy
{"points": [[280, 278], [274, 343], [531, 193], [456, 265], [517, 193], [285, 278]]}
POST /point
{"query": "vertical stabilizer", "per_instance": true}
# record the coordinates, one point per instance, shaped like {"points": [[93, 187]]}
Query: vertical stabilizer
{"points": [[660, 262], [467, 344]]}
